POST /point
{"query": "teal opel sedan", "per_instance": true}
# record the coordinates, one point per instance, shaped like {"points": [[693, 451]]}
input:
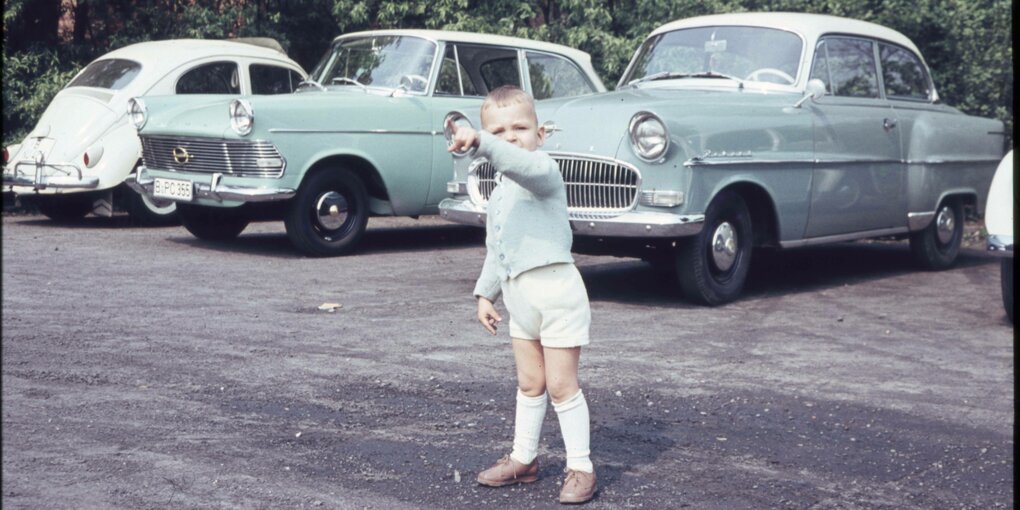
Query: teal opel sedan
{"points": [[734, 131], [362, 136]]}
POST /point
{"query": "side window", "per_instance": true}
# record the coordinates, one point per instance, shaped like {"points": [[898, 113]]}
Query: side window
{"points": [[903, 74], [553, 76], [453, 77], [214, 78], [500, 71], [268, 79], [847, 66]]}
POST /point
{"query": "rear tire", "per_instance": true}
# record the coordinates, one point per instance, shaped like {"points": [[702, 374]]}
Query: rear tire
{"points": [[712, 266], [937, 246], [329, 214], [212, 223], [67, 207], [149, 212]]}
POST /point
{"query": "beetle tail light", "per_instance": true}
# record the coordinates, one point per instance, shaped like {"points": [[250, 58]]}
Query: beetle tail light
{"points": [[92, 155], [85, 159], [7, 155]]}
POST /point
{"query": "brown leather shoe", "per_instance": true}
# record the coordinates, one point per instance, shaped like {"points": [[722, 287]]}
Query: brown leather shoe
{"points": [[579, 487], [508, 471]]}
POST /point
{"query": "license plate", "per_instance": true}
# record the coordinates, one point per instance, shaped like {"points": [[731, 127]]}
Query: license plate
{"points": [[172, 189]]}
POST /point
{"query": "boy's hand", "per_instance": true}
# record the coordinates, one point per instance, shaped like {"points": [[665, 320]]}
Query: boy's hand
{"points": [[487, 315], [464, 138]]}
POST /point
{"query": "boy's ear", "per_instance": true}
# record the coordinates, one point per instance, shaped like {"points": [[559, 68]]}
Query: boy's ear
{"points": [[541, 135]]}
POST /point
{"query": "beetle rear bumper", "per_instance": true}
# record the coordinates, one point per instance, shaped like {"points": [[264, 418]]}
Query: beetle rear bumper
{"points": [[47, 175]]}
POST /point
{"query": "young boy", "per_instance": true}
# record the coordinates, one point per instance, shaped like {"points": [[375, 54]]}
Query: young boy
{"points": [[528, 261]]}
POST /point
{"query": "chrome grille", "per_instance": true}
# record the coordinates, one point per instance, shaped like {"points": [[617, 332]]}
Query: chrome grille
{"points": [[255, 158], [595, 187]]}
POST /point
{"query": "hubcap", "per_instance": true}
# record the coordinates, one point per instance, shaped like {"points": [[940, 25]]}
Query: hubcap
{"points": [[724, 246], [331, 210], [945, 224]]}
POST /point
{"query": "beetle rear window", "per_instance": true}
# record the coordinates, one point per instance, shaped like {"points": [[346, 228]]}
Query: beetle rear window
{"points": [[113, 74]]}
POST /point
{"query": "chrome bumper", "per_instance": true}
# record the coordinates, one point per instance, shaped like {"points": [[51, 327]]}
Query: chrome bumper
{"points": [[630, 224], [34, 176], [214, 190], [1000, 245]]}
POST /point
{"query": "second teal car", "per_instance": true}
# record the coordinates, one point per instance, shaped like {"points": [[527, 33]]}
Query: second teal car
{"points": [[363, 136]]}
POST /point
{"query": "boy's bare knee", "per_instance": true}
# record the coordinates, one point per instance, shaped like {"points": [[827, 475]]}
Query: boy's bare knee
{"points": [[531, 388], [562, 390]]}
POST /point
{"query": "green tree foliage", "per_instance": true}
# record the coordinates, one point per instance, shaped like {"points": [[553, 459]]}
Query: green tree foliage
{"points": [[967, 44]]}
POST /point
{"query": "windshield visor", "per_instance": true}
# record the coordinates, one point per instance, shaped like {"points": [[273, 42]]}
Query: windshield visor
{"points": [[383, 61], [748, 53], [112, 74]]}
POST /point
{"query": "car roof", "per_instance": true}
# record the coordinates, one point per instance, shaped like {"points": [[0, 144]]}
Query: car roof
{"points": [[811, 26], [471, 37], [172, 52]]}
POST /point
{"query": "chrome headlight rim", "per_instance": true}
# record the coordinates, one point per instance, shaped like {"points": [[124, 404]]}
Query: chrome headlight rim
{"points": [[458, 118], [137, 112], [474, 190], [638, 140], [242, 116]]}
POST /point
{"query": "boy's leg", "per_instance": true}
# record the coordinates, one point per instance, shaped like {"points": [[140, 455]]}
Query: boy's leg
{"points": [[570, 405], [531, 399]]}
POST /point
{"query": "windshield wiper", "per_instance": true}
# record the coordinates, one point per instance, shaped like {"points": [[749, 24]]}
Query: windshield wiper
{"points": [[311, 82], [670, 75]]}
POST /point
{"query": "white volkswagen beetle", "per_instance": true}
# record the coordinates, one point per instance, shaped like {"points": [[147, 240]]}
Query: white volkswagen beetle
{"points": [[999, 223], [76, 158]]}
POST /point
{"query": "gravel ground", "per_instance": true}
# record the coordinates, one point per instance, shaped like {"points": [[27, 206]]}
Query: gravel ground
{"points": [[143, 368]]}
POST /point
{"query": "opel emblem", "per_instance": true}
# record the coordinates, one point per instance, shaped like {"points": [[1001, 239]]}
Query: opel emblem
{"points": [[181, 155]]}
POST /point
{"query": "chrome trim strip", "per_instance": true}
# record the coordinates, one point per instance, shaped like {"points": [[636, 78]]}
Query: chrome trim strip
{"points": [[949, 162], [698, 161], [355, 132], [919, 220], [844, 237], [1001, 245], [629, 224], [142, 183]]}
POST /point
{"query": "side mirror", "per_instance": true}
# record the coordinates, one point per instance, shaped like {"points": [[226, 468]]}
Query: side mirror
{"points": [[814, 91]]}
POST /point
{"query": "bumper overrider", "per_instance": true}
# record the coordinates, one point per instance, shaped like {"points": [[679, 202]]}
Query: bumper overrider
{"points": [[214, 189], [44, 175], [629, 224]]}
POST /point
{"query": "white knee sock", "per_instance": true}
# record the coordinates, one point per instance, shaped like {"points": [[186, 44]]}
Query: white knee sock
{"points": [[575, 426], [528, 426]]}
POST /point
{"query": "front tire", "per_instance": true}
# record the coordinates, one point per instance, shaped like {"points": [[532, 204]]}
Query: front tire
{"points": [[1006, 274], [212, 223], [329, 214], [712, 266], [937, 246]]}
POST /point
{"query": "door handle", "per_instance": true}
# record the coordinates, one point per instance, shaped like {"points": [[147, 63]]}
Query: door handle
{"points": [[888, 124]]}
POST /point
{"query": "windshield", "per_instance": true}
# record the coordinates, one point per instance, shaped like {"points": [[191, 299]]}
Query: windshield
{"points": [[383, 61], [113, 74], [747, 53]]}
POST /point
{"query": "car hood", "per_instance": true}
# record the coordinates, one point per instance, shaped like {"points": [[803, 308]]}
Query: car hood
{"points": [[74, 121], [597, 124], [306, 111]]}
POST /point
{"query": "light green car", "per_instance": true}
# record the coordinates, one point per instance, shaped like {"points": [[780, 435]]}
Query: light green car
{"points": [[363, 136], [732, 131]]}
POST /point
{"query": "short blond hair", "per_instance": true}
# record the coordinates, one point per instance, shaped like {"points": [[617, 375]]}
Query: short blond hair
{"points": [[506, 95]]}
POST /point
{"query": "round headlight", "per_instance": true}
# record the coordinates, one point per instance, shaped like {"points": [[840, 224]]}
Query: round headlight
{"points": [[460, 120], [242, 118], [648, 136], [136, 112]]}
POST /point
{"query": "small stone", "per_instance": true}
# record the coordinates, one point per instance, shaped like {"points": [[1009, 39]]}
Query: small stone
{"points": [[297, 435]]}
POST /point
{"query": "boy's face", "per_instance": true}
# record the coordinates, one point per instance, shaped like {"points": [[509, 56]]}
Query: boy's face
{"points": [[514, 123]]}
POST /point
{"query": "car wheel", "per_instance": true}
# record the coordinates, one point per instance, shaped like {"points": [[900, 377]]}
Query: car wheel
{"points": [[68, 207], [329, 214], [212, 223], [146, 211], [712, 266], [1007, 287], [937, 246]]}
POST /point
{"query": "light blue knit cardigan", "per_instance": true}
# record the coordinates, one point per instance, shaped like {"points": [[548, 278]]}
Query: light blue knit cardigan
{"points": [[526, 224]]}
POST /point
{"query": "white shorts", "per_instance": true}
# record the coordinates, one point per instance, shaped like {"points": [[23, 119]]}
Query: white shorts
{"points": [[549, 304]]}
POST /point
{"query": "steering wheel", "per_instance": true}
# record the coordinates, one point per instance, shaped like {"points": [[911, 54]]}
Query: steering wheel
{"points": [[770, 71], [415, 82]]}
